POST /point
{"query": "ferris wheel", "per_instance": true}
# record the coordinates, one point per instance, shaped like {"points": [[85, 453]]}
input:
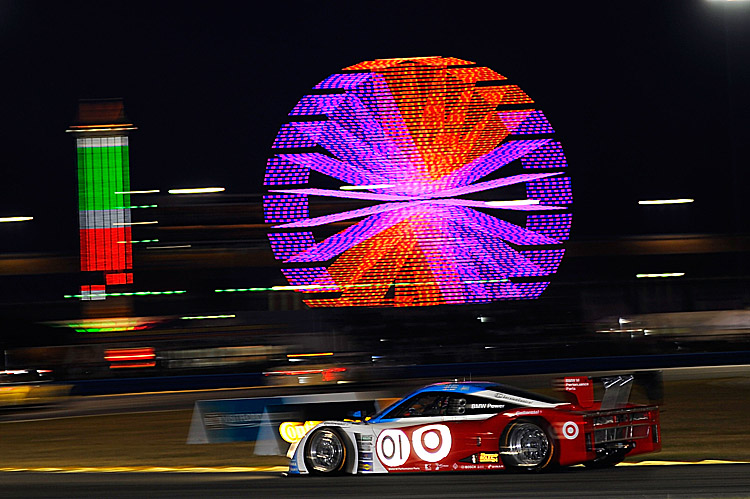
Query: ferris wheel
{"points": [[417, 181]]}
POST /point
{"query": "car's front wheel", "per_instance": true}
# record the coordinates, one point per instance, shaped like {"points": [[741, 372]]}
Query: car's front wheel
{"points": [[526, 445], [325, 452]]}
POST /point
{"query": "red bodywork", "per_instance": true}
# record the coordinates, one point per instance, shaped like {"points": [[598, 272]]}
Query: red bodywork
{"points": [[581, 432]]}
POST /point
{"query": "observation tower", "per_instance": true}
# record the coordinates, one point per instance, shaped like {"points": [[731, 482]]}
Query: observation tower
{"points": [[101, 133]]}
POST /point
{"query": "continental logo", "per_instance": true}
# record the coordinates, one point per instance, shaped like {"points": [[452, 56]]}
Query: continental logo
{"points": [[489, 457]]}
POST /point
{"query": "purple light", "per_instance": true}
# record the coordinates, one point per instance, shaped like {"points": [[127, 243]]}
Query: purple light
{"points": [[556, 226], [317, 277], [551, 190], [284, 208], [549, 156], [418, 138], [536, 123], [282, 172], [287, 244], [289, 136]]}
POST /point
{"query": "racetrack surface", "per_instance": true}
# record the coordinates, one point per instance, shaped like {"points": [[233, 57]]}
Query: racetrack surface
{"points": [[682, 481]]}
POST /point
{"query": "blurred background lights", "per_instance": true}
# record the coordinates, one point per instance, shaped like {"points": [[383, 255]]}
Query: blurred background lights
{"points": [[16, 219], [365, 187], [667, 201], [196, 190], [516, 202], [668, 274], [396, 124]]}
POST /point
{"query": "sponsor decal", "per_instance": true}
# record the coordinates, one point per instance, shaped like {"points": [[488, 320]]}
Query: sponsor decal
{"points": [[570, 430], [428, 467], [293, 468], [364, 438], [293, 432], [407, 468], [367, 456], [455, 466], [489, 457], [432, 443], [392, 448], [486, 406], [522, 413], [365, 466]]}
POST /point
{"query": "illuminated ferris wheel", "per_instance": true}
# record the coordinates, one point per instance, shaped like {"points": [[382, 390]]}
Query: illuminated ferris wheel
{"points": [[417, 181]]}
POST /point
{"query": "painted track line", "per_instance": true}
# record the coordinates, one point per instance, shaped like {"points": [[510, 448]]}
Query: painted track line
{"points": [[155, 469], [280, 469]]}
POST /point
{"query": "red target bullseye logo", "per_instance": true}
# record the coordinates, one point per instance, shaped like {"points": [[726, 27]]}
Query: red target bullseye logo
{"points": [[432, 443], [570, 430]]}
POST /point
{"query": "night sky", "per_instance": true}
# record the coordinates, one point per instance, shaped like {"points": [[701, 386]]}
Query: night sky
{"points": [[649, 98]]}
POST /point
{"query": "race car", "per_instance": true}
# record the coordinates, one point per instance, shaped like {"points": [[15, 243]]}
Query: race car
{"points": [[30, 388], [462, 426]]}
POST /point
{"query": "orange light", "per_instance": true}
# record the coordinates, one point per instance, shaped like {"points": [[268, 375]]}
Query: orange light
{"points": [[294, 355], [132, 365], [108, 125], [329, 374], [130, 357]]}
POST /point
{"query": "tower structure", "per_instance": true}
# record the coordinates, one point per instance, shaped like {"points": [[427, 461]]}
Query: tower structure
{"points": [[101, 132]]}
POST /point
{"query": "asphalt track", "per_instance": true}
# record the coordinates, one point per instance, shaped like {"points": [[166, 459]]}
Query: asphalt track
{"points": [[681, 481]]}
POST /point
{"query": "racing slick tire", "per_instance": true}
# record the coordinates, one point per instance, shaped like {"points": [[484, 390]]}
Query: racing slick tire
{"points": [[528, 446], [325, 452]]}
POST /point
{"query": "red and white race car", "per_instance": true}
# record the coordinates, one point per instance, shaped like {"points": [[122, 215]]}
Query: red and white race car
{"points": [[485, 426]]}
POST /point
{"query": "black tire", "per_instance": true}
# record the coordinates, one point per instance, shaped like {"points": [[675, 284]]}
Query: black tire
{"points": [[528, 446], [325, 452], [607, 461]]}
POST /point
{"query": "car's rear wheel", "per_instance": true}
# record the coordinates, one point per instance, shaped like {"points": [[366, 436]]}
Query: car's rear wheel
{"points": [[527, 445], [325, 452]]}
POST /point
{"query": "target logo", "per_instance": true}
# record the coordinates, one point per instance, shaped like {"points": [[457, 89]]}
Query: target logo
{"points": [[432, 443], [570, 430], [393, 447]]}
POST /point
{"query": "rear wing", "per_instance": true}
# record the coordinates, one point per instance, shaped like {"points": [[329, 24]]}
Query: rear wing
{"points": [[579, 390]]}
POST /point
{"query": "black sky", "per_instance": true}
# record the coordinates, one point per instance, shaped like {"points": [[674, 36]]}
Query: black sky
{"points": [[650, 98]]}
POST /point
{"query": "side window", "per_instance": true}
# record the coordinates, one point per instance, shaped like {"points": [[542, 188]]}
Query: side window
{"points": [[460, 405], [423, 405]]}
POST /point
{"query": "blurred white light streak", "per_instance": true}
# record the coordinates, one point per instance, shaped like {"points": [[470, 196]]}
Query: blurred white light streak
{"points": [[197, 317], [16, 219], [515, 202], [153, 191], [667, 201], [365, 187], [668, 274], [196, 190]]}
